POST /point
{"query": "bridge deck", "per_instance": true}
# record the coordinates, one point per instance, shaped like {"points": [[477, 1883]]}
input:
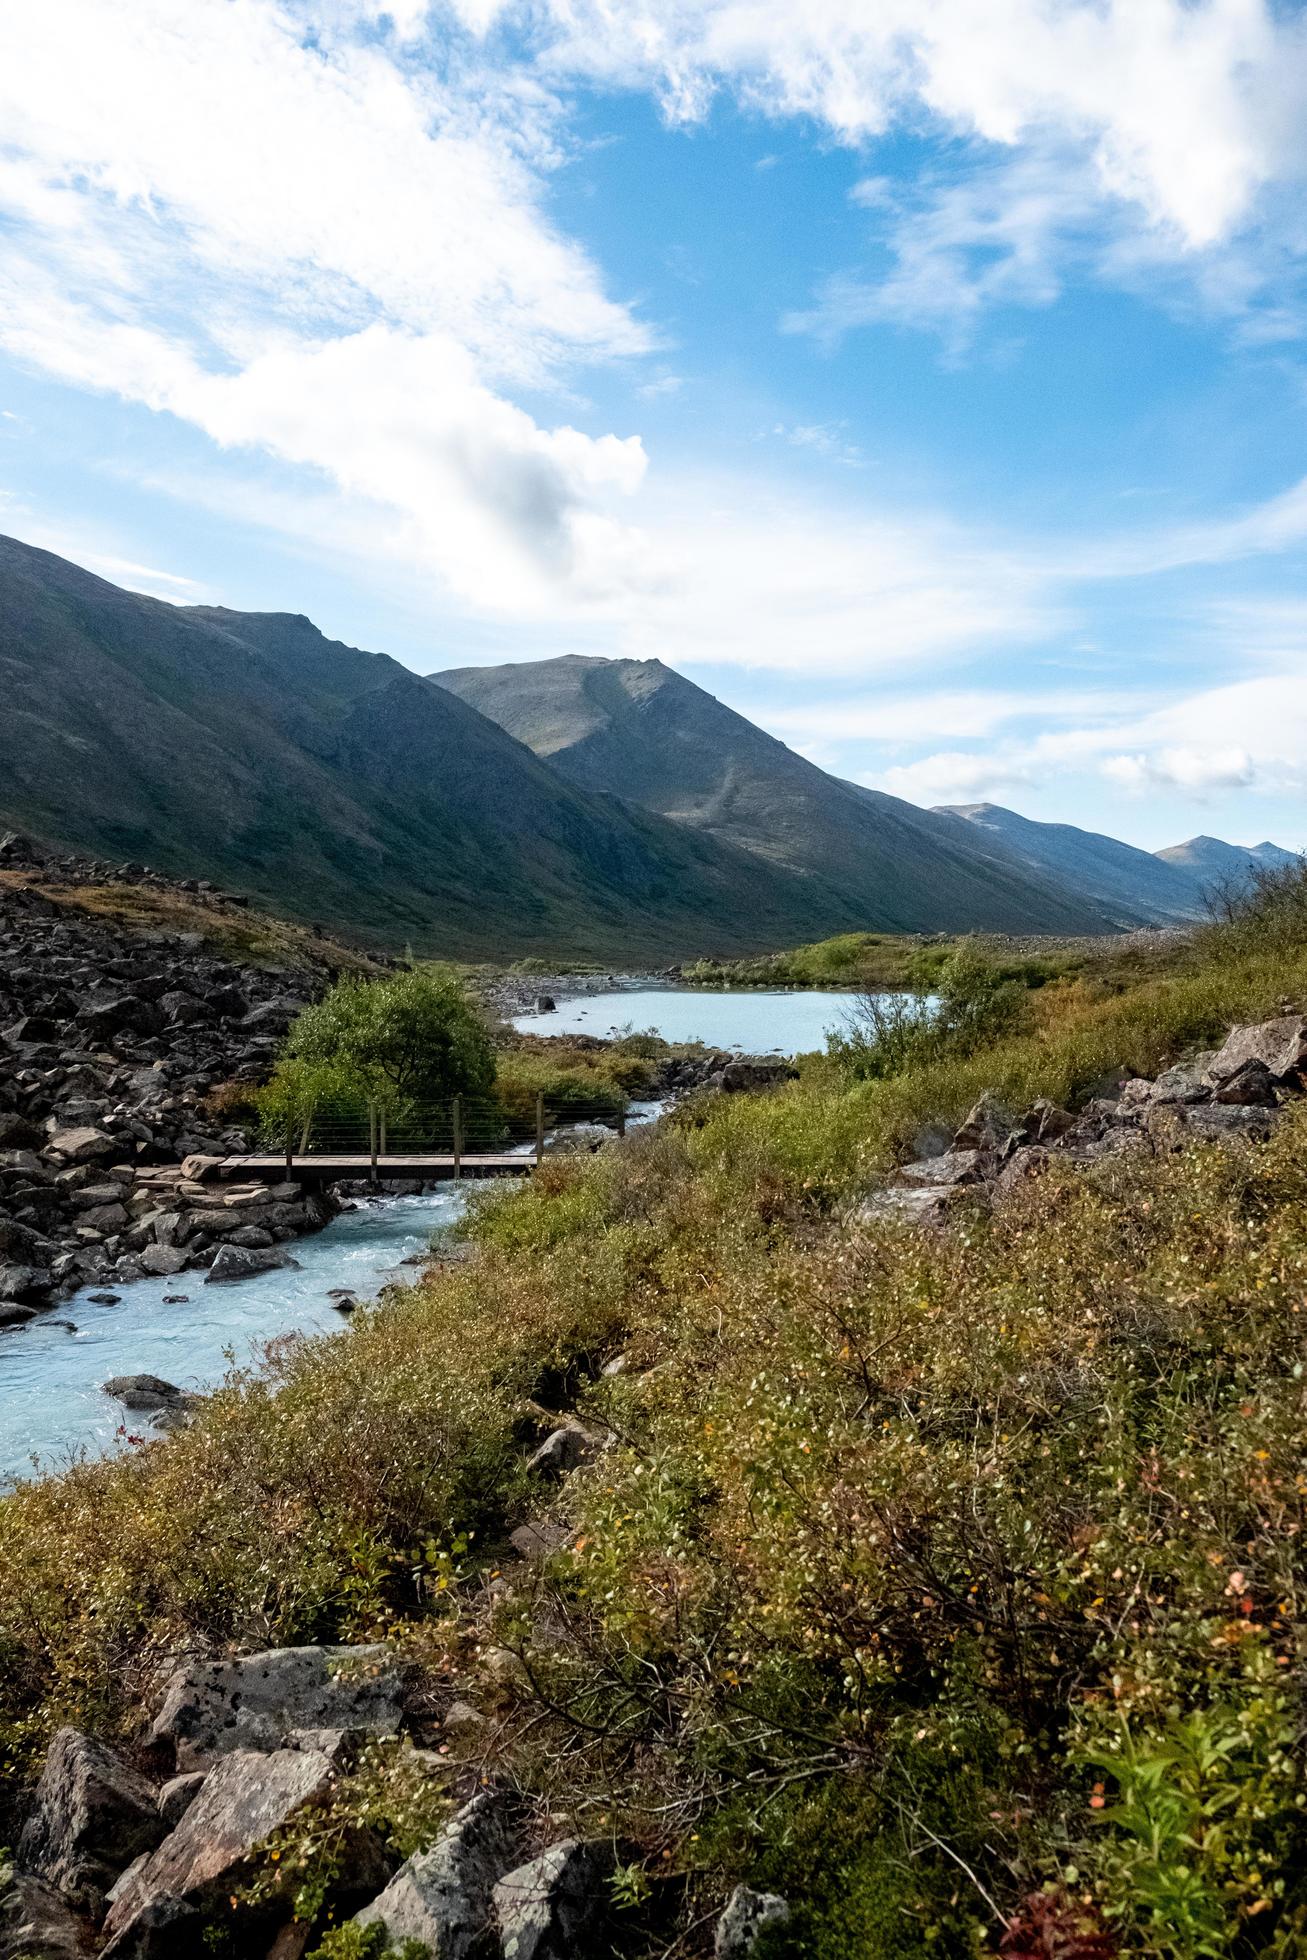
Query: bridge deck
{"points": [[327, 1168]]}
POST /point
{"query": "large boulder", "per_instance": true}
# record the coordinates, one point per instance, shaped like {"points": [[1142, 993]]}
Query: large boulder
{"points": [[92, 1814], [747, 1916], [953, 1168], [443, 1897], [556, 1907], [82, 1144], [144, 1392], [1281, 1045], [213, 1707], [35, 1922], [233, 1262], [162, 1260], [987, 1127], [157, 1909]]}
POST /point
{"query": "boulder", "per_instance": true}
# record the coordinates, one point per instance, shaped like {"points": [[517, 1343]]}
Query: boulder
{"points": [[233, 1262], [14, 1314], [1185, 1083], [987, 1127], [143, 1391], [564, 1449], [927, 1205], [954, 1167], [25, 1282], [539, 1538], [1252, 1085], [156, 1908], [1046, 1122], [177, 1796], [1021, 1166], [1280, 1045], [82, 1145], [35, 1922], [555, 1907], [443, 1897], [742, 1923], [162, 1260], [91, 1815], [213, 1707]]}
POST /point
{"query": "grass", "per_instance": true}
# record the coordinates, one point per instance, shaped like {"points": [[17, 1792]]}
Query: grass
{"points": [[882, 960], [953, 1585]]}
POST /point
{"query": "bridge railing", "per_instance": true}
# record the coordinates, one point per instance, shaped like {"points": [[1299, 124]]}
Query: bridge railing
{"points": [[461, 1127]]}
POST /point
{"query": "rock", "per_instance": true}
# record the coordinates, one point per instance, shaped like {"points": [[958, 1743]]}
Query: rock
{"points": [[954, 1167], [988, 1126], [106, 1299], [461, 1716], [1023, 1164], [1045, 1122], [233, 1262], [747, 1913], [143, 1391], [177, 1796], [554, 1907], [82, 1145], [212, 1707], [164, 1261], [564, 1449], [91, 1815], [14, 1314], [24, 1282], [1280, 1045], [925, 1206], [539, 1538], [1215, 1120], [443, 1897], [156, 1910], [1185, 1083], [1252, 1084], [35, 1923], [252, 1237]]}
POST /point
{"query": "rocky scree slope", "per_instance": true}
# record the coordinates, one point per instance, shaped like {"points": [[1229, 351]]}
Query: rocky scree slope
{"points": [[110, 1041]]}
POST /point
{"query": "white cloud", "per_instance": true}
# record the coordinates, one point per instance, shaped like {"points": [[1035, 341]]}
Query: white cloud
{"points": [[1191, 769]]}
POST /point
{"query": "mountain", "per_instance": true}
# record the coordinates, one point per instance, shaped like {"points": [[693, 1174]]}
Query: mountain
{"points": [[868, 861], [338, 786], [1135, 887], [1210, 864]]}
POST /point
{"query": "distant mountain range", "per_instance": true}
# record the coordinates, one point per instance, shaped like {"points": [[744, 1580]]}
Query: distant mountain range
{"points": [[598, 808]]}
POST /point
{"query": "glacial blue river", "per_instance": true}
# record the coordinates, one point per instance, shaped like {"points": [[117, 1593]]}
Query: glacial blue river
{"points": [[751, 1023]]}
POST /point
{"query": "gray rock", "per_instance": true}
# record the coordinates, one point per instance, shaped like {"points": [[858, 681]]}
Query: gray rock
{"points": [[954, 1167], [554, 1908], [153, 1912], [213, 1707], [82, 1145], [162, 1260], [564, 1449], [143, 1391], [987, 1127], [1252, 1084], [177, 1796], [91, 1815], [1021, 1166], [1281, 1045], [24, 1282], [1046, 1122], [35, 1923], [746, 1915], [443, 1896], [926, 1205], [1185, 1083], [539, 1538], [233, 1262], [14, 1314]]}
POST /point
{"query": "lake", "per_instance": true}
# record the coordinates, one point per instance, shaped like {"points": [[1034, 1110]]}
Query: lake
{"points": [[756, 1022]]}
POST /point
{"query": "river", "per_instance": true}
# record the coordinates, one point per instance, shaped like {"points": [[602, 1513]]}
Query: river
{"points": [[754, 1022]]}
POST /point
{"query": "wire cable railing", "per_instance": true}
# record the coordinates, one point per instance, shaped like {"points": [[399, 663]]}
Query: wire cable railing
{"points": [[463, 1128]]}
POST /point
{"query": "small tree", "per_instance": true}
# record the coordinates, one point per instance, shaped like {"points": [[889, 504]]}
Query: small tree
{"points": [[416, 1038]]}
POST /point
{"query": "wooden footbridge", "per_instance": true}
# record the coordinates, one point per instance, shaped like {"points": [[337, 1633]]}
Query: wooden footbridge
{"points": [[429, 1145]]}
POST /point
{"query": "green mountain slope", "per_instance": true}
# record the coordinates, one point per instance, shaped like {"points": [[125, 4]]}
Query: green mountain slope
{"points": [[337, 785], [869, 861], [1135, 887]]}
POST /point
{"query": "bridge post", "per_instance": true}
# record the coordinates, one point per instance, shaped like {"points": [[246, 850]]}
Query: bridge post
{"points": [[290, 1145], [540, 1125], [621, 1124], [458, 1136], [372, 1138]]}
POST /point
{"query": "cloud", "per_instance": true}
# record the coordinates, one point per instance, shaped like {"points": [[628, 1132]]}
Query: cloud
{"points": [[1190, 769]]}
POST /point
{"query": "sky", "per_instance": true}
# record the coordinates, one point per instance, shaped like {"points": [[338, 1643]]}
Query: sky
{"points": [[927, 379]]}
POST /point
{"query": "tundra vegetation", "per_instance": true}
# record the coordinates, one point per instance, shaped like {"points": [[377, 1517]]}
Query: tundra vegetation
{"points": [[949, 1583]]}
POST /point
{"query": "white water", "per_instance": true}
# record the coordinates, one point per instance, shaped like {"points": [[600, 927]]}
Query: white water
{"points": [[755, 1022], [52, 1405]]}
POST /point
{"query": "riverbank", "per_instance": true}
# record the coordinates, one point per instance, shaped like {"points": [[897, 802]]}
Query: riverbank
{"points": [[747, 1530]]}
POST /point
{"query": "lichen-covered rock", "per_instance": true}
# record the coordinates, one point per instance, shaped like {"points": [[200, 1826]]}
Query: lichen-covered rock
{"points": [[233, 1262], [954, 1167], [213, 1707], [91, 1815], [747, 1915], [35, 1922], [563, 1450], [987, 1127], [443, 1897], [555, 1907], [1281, 1045]]}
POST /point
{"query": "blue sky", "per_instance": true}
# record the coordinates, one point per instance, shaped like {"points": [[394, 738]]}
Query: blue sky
{"points": [[925, 380]]}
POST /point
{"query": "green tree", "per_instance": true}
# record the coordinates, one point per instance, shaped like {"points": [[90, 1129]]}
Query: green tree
{"points": [[415, 1038]]}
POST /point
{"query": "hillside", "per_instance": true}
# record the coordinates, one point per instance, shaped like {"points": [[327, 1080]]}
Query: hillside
{"points": [[337, 785], [638, 729], [1209, 863], [1136, 887]]}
